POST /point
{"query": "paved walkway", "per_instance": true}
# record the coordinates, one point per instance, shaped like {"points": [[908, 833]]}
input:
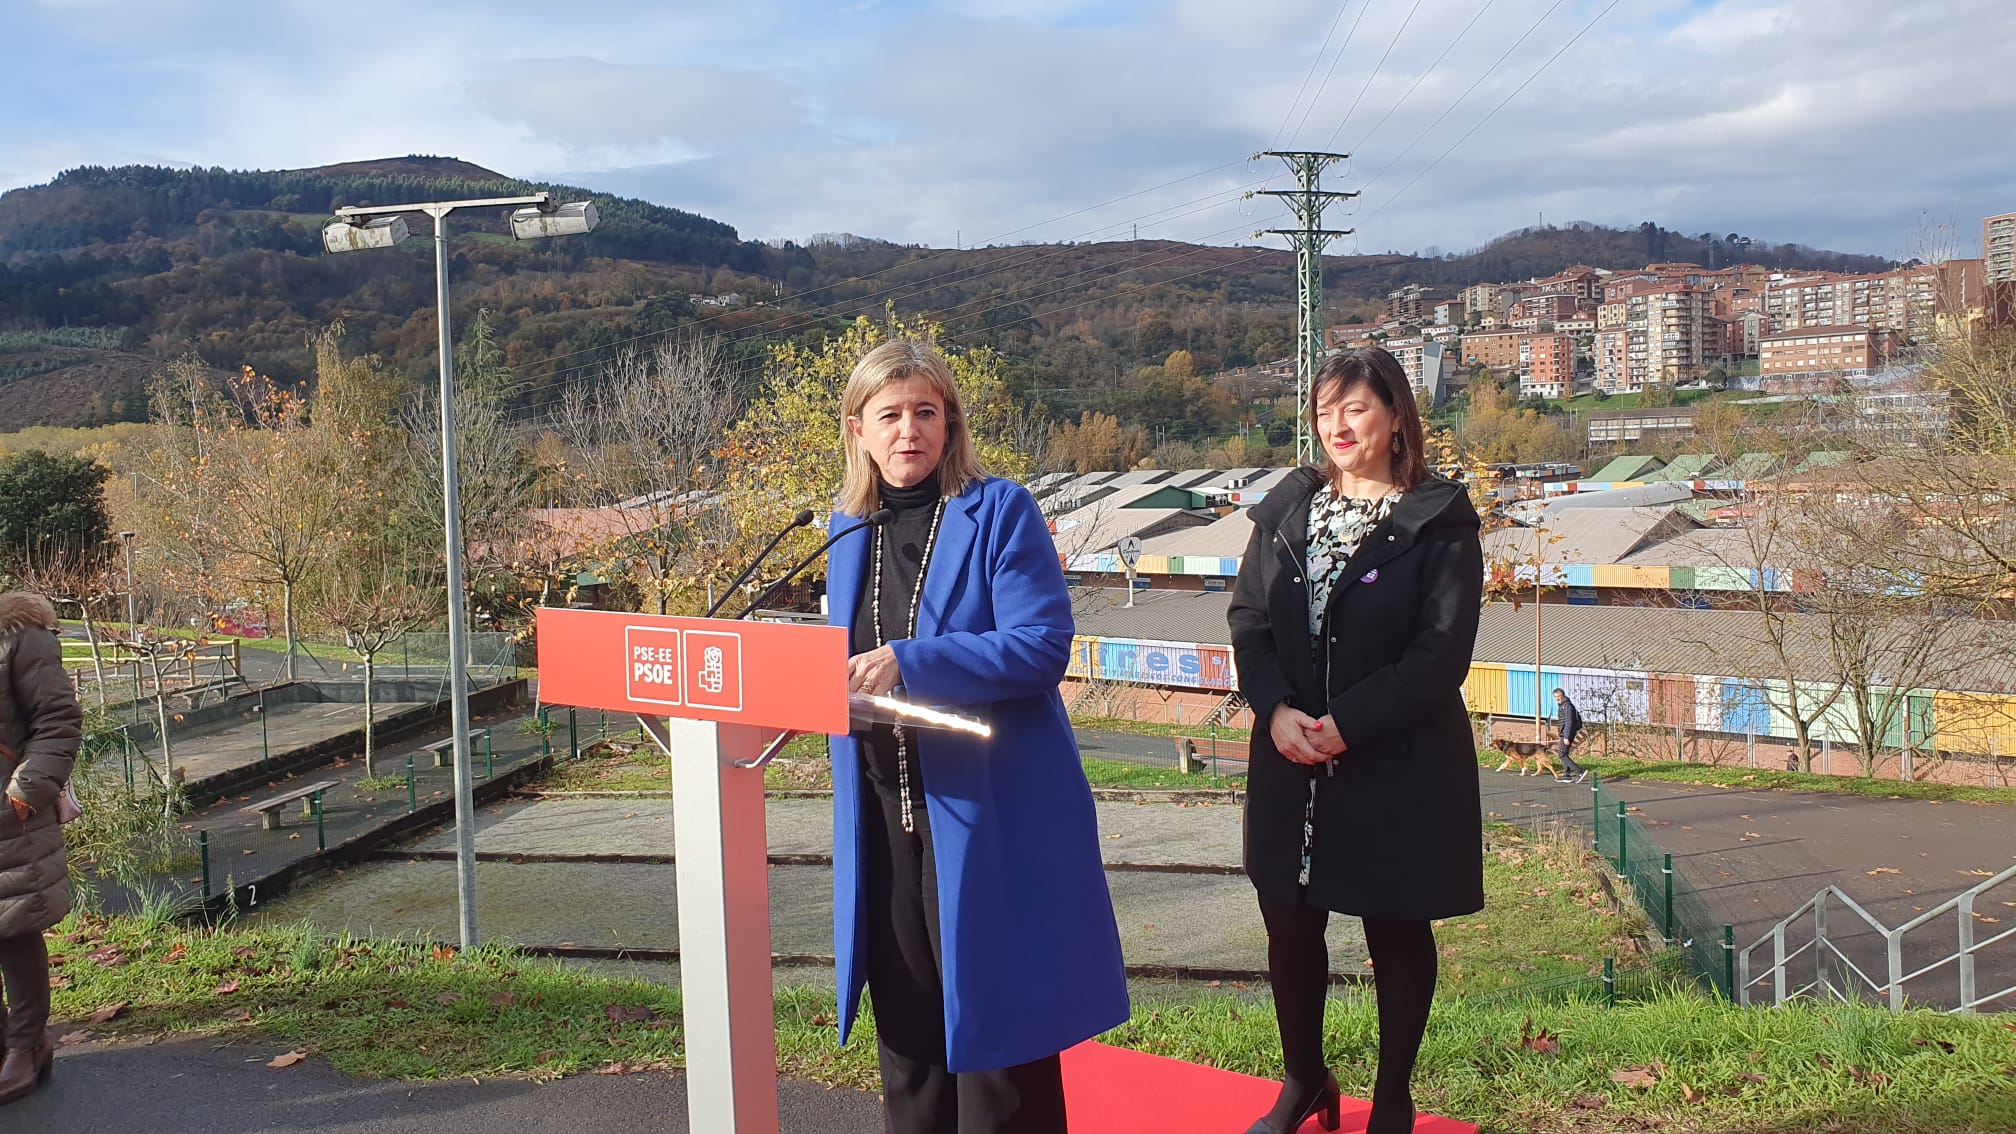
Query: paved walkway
{"points": [[590, 874], [225, 1087]]}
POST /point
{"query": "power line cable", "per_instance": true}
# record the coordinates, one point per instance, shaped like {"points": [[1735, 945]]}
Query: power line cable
{"points": [[1391, 44], [1311, 73], [1586, 28], [1479, 81], [1419, 79], [1338, 58]]}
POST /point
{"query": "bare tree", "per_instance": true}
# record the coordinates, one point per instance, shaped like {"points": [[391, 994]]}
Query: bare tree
{"points": [[642, 443], [373, 601]]}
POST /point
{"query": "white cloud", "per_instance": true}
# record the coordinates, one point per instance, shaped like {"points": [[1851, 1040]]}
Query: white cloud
{"points": [[1826, 121]]}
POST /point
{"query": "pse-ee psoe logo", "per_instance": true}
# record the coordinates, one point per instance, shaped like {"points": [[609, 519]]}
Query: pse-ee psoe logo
{"points": [[697, 668]]}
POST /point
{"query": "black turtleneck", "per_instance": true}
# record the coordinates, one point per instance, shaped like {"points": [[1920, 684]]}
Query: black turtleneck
{"points": [[903, 540]]}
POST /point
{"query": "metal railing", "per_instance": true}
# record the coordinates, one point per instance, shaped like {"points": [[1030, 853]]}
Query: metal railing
{"points": [[1836, 975], [1681, 915]]}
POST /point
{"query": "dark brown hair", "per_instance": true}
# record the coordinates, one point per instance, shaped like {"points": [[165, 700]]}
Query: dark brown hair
{"points": [[1379, 372]]}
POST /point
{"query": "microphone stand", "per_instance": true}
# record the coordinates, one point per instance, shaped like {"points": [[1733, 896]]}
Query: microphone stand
{"points": [[800, 520], [875, 520]]}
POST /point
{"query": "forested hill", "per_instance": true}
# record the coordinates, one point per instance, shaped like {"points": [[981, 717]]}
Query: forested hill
{"points": [[105, 272]]}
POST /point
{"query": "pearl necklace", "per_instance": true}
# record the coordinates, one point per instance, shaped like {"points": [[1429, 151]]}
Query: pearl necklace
{"points": [[916, 595]]}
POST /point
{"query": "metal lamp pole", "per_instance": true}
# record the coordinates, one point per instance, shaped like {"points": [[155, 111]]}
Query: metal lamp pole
{"points": [[356, 228], [132, 606]]}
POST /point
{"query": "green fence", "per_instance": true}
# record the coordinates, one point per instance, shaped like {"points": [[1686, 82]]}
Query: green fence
{"points": [[1676, 908]]}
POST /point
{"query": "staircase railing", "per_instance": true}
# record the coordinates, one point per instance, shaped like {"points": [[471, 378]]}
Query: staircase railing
{"points": [[1835, 974]]}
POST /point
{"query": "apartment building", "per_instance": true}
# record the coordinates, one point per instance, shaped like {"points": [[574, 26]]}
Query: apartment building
{"points": [[1498, 350], [1546, 365], [1581, 281], [1428, 365], [1613, 375], [1998, 249], [1449, 311], [1809, 358], [1410, 304], [1909, 301], [1549, 308], [1481, 298], [1612, 315], [1667, 335]]}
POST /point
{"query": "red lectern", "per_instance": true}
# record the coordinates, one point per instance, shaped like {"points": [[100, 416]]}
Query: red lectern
{"points": [[718, 695]]}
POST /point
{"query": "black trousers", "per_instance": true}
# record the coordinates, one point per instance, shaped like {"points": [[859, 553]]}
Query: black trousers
{"points": [[905, 980], [24, 973], [1403, 974], [1568, 765]]}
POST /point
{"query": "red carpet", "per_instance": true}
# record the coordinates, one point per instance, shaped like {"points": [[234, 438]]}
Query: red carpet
{"points": [[1114, 1091]]}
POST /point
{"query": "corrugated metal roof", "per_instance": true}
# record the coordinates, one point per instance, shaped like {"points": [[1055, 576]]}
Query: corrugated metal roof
{"points": [[1687, 466], [1709, 643], [1224, 537], [1624, 468], [1584, 535], [1142, 476], [1751, 466], [1701, 547], [1826, 459], [1157, 616], [1641, 496]]}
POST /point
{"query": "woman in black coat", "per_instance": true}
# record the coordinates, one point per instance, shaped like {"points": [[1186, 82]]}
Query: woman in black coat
{"points": [[1352, 624]]}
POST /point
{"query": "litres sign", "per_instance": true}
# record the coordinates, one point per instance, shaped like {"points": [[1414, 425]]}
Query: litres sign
{"points": [[772, 674]]}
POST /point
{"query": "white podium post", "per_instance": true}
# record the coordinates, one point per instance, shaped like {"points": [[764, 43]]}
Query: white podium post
{"points": [[722, 857]]}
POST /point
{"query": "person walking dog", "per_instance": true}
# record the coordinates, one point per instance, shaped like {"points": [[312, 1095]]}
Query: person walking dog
{"points": [[1567, 726], [40, 727]]}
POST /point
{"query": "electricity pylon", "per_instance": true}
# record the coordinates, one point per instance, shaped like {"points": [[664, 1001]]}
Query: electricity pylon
{"points": [[1307, 200]]}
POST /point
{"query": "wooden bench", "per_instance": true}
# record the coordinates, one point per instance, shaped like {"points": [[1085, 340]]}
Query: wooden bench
{"points": [[444, 750], [1193, 753], [269, 809]]}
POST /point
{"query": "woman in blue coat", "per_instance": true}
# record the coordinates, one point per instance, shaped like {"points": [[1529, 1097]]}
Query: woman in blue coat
{"points": [[969, 895]]}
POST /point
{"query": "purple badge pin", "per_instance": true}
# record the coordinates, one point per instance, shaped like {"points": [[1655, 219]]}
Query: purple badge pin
{"points": [[1371, 576]]}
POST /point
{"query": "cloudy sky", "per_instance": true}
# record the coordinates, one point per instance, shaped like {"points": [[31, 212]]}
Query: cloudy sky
{"points": [[1838, 123]]}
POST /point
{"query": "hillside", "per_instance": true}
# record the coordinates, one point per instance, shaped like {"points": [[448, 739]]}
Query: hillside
{"points": [[228, 263]]}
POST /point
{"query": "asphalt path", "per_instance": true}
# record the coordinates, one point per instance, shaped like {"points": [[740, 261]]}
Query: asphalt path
{"points": [[225, 1087]]}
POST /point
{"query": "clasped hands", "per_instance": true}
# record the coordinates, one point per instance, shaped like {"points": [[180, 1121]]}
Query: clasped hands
{"points": [[1303, 738]]}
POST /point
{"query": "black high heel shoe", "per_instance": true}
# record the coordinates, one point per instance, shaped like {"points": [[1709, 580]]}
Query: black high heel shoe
{"points": [[1326, 1107]]}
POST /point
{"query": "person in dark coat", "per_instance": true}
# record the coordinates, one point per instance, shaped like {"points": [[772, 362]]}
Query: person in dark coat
{"points": [[969, 894], [1352, 623], [40, 726], [1568, 726]]}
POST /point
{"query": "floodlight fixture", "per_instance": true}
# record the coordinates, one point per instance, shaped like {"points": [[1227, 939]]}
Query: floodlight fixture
{"points": [[573, 219], [352, 236]]}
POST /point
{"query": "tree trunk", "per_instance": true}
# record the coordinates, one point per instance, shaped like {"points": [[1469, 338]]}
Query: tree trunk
{"points": [[370, 668], [97, 660], [287, 622]]}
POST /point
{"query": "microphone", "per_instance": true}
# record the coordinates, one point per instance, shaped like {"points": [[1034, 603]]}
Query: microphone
{"points": [[875, 520], [798, 521]]}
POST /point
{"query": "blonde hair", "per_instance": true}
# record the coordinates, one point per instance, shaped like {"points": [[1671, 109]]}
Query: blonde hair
{"points": [[958, 466]]}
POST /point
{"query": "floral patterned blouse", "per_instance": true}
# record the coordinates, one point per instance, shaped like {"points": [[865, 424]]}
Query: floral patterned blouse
{"points": [[1337, 525]]}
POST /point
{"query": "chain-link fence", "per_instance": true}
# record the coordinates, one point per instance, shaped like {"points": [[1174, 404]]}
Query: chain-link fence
{"points": [[1677, 910]]}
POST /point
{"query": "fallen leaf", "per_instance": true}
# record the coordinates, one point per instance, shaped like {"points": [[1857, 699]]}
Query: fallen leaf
{"points": [[109, 1013], [444, 952], [1591, 1102], [227, 988], [1541, 1042], [1752, 1077], [1634, 1077], [1687, 1093], [242, 950], [448, 998], [175, 954], [239, 1016], [1882, 870], [1942, 1045], [395, 1002], [110, 956], [287, 1060], [503, 999], [74, 1037], [1752, 835]]}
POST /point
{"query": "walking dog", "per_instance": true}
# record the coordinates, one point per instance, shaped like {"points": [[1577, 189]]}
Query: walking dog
{"points": [[1539, 755]]}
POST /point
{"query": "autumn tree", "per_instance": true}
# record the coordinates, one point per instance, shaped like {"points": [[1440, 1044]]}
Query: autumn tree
{"points": [[371, 599]]}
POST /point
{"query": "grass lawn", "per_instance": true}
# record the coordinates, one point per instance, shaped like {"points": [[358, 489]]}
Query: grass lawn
{"points": [[1156, 728], [630, 764], [278, 645], [1675, 771], [1677, 1062]]}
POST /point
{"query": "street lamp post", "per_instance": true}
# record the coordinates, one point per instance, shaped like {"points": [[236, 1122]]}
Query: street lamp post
{"points": [[132, 606], [382, 226]]}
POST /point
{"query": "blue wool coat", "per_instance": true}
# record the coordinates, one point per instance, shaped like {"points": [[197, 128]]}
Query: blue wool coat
{"points": [[1031, 951]]}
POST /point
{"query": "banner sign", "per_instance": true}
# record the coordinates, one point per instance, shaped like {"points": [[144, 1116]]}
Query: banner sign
{"points": [[1187, 665]]}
